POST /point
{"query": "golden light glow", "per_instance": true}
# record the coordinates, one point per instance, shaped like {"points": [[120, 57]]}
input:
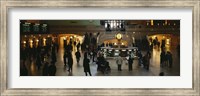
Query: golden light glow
{"points": [[115, 43], [154, 37], [163, 37], [119, 36], [31, 41], [151, 22], [64, 38], [168, 41], [122, 43], [24, 42], [165, 22], [37, 40], [44, 42], [48, 36]]}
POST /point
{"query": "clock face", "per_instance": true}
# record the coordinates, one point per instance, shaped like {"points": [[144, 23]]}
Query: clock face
{"points": [[119, 36]]}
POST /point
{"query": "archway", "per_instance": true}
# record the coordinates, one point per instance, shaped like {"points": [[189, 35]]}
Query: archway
{"points": [[171, 40], [66, 38]]}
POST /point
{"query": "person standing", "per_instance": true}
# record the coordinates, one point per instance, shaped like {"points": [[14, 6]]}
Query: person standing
{"points": [[139, 58], [52, 69], [70, 62], [169, 59], [161, 74], [64, 58], [94, 56], [130, 62], [147, 57], [86, 65], [78, 55], [119, 62], [100, 60], [162, 58], [38, 62], [45, 69], [78, 45]]}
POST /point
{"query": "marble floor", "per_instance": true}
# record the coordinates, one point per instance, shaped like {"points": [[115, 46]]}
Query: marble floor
{"points": [[154, 68]]}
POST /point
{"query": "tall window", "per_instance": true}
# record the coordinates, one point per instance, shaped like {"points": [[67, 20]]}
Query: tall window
{"points": [[36, 27], [26, 27], [44, 27], [115, 25]]}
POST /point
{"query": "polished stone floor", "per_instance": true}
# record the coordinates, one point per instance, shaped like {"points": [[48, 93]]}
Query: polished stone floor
{"points": [[154, 69]]}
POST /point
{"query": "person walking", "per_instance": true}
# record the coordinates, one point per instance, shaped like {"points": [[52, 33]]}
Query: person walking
{"points": [[64, 58], [70, 62], [119, 62], [86, 65], [130, 62], [45, 69], [147, 57], [169, 59], [52, 69], [38, 62], [78, 55], [139, 58], [161, 74], [162, 58], [78, 45]]}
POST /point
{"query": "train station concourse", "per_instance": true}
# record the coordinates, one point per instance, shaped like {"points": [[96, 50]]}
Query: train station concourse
{"points": [[99, 47]]}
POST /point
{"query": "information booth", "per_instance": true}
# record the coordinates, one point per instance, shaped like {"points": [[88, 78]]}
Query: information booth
{"points": [[115, 52]]}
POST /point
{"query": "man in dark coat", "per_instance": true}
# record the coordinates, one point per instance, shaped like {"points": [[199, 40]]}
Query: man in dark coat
{"points": [[45, 69], [169, 59], [78, 55], [162, 58], [139, 58], [78, 46], [70, 62], [52, 69], [64, 58], [130, 62], [86, 65], [38, 62]]}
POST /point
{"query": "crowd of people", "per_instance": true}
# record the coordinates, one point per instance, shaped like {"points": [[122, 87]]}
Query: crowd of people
{"points": [[88, 47], [39, 55], [166, 59], [91, 55]]}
